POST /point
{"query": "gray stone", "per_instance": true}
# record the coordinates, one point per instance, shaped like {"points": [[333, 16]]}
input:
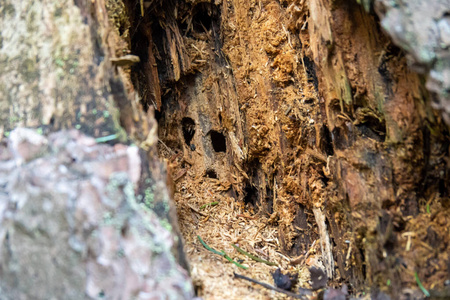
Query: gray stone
{"points": [[71, 227]]}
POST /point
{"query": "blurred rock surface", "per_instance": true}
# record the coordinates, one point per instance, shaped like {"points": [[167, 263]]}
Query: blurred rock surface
{"points": [[72, 225]]}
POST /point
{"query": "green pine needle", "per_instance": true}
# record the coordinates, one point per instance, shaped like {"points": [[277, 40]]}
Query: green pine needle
{"points": [[221, 253], [424, 290]]}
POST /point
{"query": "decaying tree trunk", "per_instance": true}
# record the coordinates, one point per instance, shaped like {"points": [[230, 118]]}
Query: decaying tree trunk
{"points": [[307, 111], [301, 120]]}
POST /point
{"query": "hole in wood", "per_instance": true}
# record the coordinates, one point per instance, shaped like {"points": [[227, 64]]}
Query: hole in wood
{"points": [[326, 143], [210, 173], [202, 18], [311, 72], [251, 195], [218, 141], [188, 128]]}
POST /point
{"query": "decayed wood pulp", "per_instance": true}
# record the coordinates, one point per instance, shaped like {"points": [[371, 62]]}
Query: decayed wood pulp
{"points": [[320, 113]]}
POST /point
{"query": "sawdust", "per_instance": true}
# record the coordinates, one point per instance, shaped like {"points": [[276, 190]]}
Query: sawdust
{"points": [[227, 223], [425, 239]]}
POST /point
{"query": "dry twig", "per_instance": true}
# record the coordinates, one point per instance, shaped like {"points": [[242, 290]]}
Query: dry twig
{"points": [[270, 287]]}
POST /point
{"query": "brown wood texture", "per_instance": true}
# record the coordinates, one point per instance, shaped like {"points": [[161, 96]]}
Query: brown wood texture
{"points": [[320, 113]]}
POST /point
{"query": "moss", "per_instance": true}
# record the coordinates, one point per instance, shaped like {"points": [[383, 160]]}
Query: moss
{"points": [[31, 24], [149, 198], [345, 88], [13, 119], [166, 225], [129, 191], [367, 4], [66, 64], [379, 99], [7, 9], [58, 12], [107, 218], [29, 71], [59, 62], [122, 136], [120, 253], [347, 92], [118, 16]]}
